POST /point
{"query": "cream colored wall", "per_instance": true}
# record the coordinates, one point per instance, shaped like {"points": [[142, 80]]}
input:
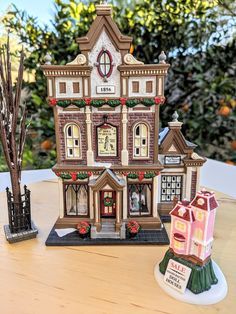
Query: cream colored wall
{"points": [[142, 86], [69, 87], [96, 79]]}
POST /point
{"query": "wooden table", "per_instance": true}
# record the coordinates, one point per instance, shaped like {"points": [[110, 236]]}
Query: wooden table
{"points": [[100, 279]]}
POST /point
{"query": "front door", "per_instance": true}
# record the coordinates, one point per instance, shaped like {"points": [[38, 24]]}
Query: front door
{"points": [[108, 204]]}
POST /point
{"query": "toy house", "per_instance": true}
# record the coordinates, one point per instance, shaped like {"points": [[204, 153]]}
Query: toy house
{"points": [[112, 163], [192, 226]]}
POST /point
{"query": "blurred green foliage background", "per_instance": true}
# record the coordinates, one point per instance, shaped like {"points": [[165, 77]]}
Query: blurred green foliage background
{"points": [[198, 37]]}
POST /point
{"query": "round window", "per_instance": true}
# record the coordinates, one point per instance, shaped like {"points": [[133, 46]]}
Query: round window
{"points": [[104, 63]]}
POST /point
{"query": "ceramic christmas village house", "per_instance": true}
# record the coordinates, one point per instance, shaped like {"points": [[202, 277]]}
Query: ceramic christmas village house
{"points": [[113, 162], [191, 238]]}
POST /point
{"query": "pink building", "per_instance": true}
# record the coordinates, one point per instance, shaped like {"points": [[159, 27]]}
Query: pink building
{"points": [[192, 226]]}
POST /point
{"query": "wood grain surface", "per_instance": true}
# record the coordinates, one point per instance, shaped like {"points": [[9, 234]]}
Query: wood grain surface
{"points": [[99, 279]]}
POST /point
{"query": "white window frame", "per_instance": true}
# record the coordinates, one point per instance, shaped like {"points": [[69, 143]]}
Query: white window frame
{"points": [[141, 138], [67, 137]]}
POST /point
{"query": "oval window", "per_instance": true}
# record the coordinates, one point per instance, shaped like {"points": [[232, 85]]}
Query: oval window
{"points": [[104, 62]]}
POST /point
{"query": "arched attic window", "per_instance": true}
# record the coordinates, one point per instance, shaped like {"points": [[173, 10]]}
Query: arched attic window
{"points": [[141, 140], [72, 141], [104, 63]]}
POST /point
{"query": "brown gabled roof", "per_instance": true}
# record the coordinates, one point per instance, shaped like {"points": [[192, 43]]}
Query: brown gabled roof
{"points": [[176, 138], [104, 21]]}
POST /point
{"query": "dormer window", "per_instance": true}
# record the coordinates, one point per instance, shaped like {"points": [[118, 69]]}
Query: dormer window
{"points": [[104, 63]]}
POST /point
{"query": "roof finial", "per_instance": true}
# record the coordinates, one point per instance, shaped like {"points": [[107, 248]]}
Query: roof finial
{"points": [[162, 57], [103, 8], [175, 116], [48, 58]]}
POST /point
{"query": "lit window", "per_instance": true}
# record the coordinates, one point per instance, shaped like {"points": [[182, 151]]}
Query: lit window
{"points": [[171, 187], [72, 141], [198, 234], [104, 63], [140, 199], [141, 134], [199, 215], [178, 245], [76, 199], [180, 226]]}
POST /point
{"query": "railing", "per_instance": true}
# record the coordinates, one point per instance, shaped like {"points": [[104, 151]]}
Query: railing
{"points": [[19, 213]]}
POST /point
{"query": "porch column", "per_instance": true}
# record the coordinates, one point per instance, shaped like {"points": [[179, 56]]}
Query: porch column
{"points": [[61, 198], [154, 198], [124, 152], [96, 213], [90, 154], [125, 198], [118, 211]]}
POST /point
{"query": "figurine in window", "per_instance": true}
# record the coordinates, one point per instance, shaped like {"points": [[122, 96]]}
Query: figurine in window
{"points": [[134, 202]]}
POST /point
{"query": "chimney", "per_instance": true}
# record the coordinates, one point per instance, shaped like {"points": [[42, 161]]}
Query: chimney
{"points": [[103, 9], [175, 124]]}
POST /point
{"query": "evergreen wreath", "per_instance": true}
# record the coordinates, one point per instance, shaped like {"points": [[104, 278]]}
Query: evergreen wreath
{"points": [[108, 201]]}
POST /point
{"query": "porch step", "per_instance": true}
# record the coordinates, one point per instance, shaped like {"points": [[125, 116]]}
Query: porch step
{"points": [[108, 231], [108, 227], [107, 235]]}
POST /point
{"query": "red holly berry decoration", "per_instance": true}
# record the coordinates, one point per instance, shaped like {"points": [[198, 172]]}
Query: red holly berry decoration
{"points": [[87, 101], [141, 175], [57, 174], [90, 173], [157, 100], [73, 176], [123, 101], [52, 102], [125, 173]]}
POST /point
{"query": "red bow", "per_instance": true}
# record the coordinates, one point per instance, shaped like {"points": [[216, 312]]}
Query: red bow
{"points": [[123, 101], [52, 102]]}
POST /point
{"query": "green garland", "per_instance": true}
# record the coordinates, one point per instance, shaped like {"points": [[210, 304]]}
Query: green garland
{"points": [[147, 175], [81, 103], [97, 103], [132, 176], [67, 176], [63, 103], [147, 102], [132, 102], [82, 176], [113, 103], [78, 103]]}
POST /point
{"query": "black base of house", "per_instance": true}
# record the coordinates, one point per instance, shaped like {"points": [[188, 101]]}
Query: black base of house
{"points": [[165, 218], [152, 237], [20, 236]]}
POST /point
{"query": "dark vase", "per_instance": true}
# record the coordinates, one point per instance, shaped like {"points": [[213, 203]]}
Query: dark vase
{"points": [[132, 235], [83, 236]]}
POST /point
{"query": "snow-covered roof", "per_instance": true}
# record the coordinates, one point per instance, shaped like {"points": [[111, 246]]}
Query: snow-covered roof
{"points": [[163, 133]]}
